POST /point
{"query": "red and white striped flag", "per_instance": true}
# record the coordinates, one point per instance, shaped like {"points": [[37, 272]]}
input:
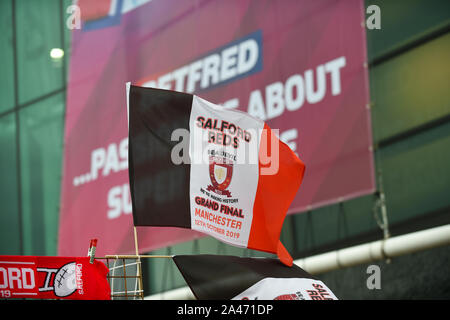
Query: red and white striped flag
{"points": [[197, 165]]}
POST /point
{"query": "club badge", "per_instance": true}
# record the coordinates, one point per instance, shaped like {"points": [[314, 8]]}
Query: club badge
{"points": [[220, 173]]}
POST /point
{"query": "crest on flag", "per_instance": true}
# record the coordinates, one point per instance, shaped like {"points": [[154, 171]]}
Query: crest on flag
{"points": [[220, 172]]}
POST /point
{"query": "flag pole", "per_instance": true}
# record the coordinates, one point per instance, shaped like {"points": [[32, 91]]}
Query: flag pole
{"points": [[139, 269], [136, 241], [141, 285]]}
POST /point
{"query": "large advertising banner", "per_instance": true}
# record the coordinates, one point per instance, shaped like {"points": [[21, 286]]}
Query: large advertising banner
{"points": [[300, 66]]}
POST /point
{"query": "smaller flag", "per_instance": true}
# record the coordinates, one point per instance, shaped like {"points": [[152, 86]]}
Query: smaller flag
{"points": [[217, 277]]}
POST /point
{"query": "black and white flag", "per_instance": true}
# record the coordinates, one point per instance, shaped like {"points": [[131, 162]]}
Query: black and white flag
{"points": [[217, 277]]}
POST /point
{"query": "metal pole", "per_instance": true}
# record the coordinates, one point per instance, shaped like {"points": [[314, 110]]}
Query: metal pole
{"points": [[365, 253]]}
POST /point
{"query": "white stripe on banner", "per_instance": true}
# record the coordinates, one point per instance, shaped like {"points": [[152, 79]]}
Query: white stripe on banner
{"points": [[224, 149]]}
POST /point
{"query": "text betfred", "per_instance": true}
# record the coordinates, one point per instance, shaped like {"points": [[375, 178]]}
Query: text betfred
{"points": [[234, 60]]}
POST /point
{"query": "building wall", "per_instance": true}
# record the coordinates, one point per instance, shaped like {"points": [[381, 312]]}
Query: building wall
{"points": [[409, 74], [32, 104]]}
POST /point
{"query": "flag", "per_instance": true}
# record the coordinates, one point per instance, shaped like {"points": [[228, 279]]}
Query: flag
{"points": [[216, 277], [197, 165], [53, 278]]}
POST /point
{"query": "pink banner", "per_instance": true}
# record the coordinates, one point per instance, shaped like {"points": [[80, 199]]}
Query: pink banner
{"points": [[298, 65]]}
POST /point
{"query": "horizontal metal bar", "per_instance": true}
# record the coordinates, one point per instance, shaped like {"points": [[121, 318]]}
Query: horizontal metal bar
{"points": [[411, 44], [123, 265], [134, 256], [131, 291], [33, 101], [412, 132]]}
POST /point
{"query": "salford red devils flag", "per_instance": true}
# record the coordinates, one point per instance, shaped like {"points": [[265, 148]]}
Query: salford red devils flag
{"points": [[248, 279], [53, 278], [197, 165]]}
